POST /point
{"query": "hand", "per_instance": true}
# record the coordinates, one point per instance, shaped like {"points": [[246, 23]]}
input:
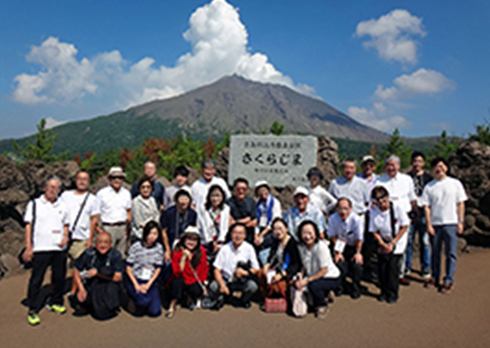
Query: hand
{"points": [[358, 259], [166, 256], [460, 228], [204, 291], [277, 278], [92, 272], [216, 247], [301, 283], [63, 242], [186, 253], [240, 272], [258, 239], [81, 295], [144, 288], [224, 290], [137, 288], [388, 247], [430, 230], [338, 257], [88, 245], [28, 254]]}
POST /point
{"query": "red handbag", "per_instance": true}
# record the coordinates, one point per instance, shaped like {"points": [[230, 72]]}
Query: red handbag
{"points": [[276, 305]]}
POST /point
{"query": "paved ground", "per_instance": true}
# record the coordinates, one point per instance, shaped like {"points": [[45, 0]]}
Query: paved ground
{"points": [[422, 318]]}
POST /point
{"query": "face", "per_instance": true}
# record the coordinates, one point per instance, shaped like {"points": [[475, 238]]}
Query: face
{"points": [[263, 192], [183, 202], [308, 234], [238, 235], [190, 242], [279, 230], [439, 170], [382, 201], [82, 181], [301, 201], [116, 181], [145, 189], [344, 209], [418, 163], [241, 190], [314, 180], [152, 236], [368, 168], [208, 172], [150, 169], [52, 189], [349, 170], [216, 198], [103, 243], [392, 167], [180, 180]]}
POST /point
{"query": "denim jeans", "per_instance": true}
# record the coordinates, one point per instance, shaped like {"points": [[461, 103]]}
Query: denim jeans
{"points": [[448, 235], [424, 245]]}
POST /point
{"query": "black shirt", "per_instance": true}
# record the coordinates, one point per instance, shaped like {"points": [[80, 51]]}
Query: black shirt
{"points": [[419, 182], [291, 259], [244, 209], [176, 222], [91, 258]]}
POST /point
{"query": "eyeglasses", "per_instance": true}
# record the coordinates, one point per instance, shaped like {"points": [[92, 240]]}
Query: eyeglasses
{"points": [[145, 187], [216, 196], [377, 199], [116, 177]]}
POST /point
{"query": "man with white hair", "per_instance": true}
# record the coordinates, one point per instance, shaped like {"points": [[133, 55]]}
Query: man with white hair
{"points": [[402, 192], [150, 170], [199, 189]]}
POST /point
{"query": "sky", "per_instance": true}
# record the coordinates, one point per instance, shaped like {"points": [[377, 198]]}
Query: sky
{"points": [[420, 66]]}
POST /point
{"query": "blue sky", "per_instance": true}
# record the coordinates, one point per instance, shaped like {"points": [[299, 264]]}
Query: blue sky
{"points": [[422, 66]]}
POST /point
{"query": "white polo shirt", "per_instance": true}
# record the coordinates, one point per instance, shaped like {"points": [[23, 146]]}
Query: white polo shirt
{"points": [[442, 196], [356, 190], [380, 221], [318, 257], [47, 231], [73, 203], [321, 198], [228, 258], [199, 190], [351, 229], [400, 188], [114, 205]]}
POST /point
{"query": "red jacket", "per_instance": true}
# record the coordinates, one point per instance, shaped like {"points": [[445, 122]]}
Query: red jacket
{"points": [[201, 270]]}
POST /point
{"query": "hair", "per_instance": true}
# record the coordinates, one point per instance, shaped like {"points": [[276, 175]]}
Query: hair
{"points": [[437, 160], [392, 157], [232, 228], [240, 180], [349, 160], [416, 154], [208, 162], [147, 229], [302, 225], [281, 220], [53, 177], [379, 189], [344, 199], [314, 171], [144, 179], [182, 193], [196, 259], [181, 170], [208, 196], [82, 171]]}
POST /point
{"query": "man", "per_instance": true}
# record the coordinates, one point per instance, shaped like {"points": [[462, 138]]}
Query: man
{"points": [[368, 166], [181, 175], [46, 237], [200, 188], [443, 200], [420, 178], [115, 210], [303, 210], [97, 274], [176, 219], [319, 197], [402, 192], [235, 267], [346, 230], [150, 170], [350, 186], [243, 208]]}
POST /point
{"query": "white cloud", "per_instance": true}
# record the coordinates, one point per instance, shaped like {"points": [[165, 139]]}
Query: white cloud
{"points": [[51, 123], [392, 35], [375, 118], [219, 47], [422, 81]]}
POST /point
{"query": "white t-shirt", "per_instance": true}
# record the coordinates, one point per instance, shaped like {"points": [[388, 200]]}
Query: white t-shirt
{"points": [[351, 230], [73, 203], [356, 190], [442, 196], [380, 221], [318, 257], [400, 188], [228, 258], [322, 199], [47, 231], [114, 205], [200, 189]]}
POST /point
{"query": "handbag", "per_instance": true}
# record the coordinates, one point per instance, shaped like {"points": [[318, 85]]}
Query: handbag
{"points": [[298, 301], [276, 305]]}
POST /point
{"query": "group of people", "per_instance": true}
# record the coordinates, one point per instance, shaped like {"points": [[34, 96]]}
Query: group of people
{"points": [[204, 245]]}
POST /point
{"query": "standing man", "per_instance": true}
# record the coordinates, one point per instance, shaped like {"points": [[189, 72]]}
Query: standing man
{"points": [[350, 186], [181, 175], [368, 166], [200, 187], [420, 178], [150, 170], [443, 200], [347, 232], [115, 210], [402, 192], [46, 237], [243, 209]]}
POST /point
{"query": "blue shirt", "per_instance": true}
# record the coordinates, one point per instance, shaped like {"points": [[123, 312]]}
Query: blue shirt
{"points": [[176, 223], [294, 218]]}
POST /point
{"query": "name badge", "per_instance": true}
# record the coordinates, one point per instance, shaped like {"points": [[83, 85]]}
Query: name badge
{"points": [[270, 274], [56, 236], [339, 245], [263, 220], [146, 273]]}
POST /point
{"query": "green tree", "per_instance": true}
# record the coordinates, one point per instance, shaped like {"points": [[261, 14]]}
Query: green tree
{"points": [[42, 147], [277, 128], [482, 133], [396, 146], [444, 146]]}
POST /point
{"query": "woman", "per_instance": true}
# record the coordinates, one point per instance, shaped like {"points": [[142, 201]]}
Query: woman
{"points": [[389, 223], [319, 197], [143, 208], [268, 208], [319, 274], [283, 262], [189, 269], [143, 266]]}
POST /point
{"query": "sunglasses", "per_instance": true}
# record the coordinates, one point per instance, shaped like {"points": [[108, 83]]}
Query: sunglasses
{"points": [[116, 177], [377, 199]]}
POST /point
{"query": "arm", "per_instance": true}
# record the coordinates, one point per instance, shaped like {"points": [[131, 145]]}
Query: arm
{"points": [[64, 241], [219, 279], [28, 253], [358, 256], [302, 282], [129, 272], [82, 292], [166, 255], [460, 210], [94, 219], [430, 228]]}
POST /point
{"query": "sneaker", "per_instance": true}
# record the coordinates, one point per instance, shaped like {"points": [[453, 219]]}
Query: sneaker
{"points": [[321, 313], [426, 274], [445, 288], [33, 319], [407, 272], [56, 308]]}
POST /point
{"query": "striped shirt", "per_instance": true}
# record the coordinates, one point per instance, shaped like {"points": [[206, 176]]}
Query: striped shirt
{"points": [[144, 261]]}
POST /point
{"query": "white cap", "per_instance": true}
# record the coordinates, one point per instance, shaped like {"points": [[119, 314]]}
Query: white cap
{"points": [[186, 190], [261, 183], [368, 158], [301, 190], [192, 230], [116, 171]]}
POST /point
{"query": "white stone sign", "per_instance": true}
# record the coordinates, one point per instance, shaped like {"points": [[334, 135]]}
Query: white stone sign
{"points": [[281, 160]]}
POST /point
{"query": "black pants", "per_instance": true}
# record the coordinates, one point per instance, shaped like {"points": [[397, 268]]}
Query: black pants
{"points": [[348, 266], [320, 288], [178, 287], [368, 248], [389, 270], [40, 263]]}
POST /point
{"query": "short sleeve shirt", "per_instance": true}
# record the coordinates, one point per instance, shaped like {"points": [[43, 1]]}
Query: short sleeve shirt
{"points": [[200, 189], [351, 229], [114, 205], [400, 188], [144, 261], [442, 196], [356, 190], [318, 257], [91, 258], [321, 198], [74, 203], [228, 258], [380, 221]]}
